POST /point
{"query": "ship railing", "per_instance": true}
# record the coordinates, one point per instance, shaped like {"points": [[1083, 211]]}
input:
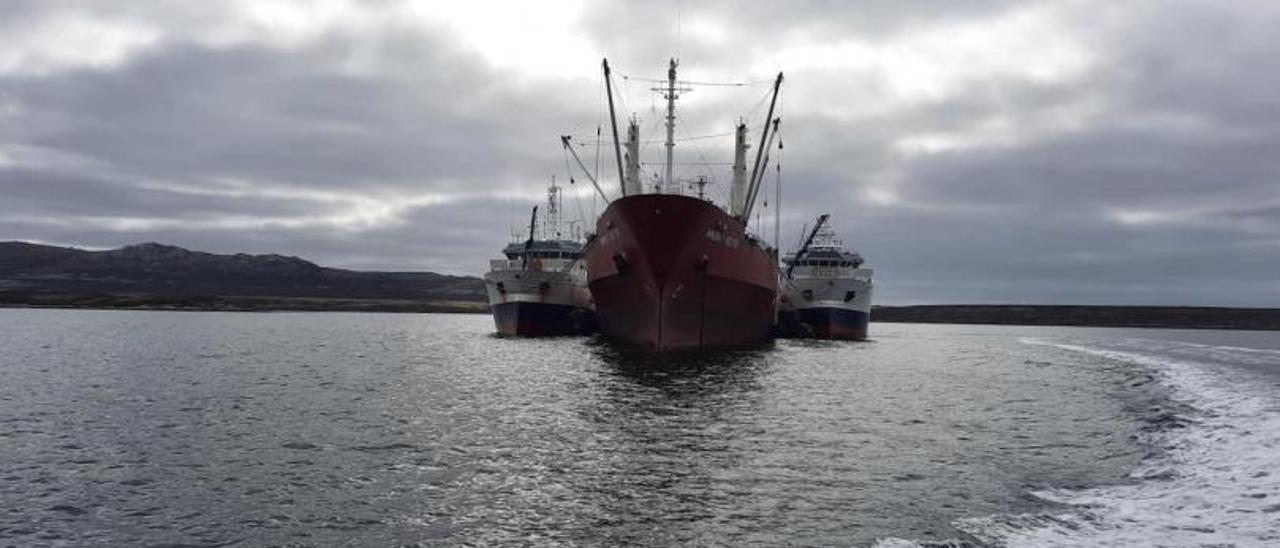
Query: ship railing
{"points": [[863, 274], [659, 188], [533, 264]]}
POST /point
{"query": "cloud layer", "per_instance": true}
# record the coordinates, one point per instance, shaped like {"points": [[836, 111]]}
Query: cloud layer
{"points": [[1054, 152]]}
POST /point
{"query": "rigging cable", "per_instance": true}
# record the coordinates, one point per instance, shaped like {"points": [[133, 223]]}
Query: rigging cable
{"points": [[706, 166], [601, 106], [777, 184], [678, 140], [597, 168], [777, 198], [623, 97], [749, 83], [577, 198], [755, 109]]}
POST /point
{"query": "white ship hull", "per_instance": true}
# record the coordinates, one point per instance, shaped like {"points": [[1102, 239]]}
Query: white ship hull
{"points": [[528, 302], [829, 305]]}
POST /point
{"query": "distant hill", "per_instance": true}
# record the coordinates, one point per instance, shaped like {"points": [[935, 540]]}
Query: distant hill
{"points": [[169, 276]]}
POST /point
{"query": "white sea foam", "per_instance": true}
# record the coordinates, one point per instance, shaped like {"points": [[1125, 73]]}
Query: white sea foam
{"points": [[895, 543], [904, 543], [1228, 348], [1216, 484]]}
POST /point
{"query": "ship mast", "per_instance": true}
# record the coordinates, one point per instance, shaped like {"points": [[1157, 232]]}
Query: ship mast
{"points": [[738, 190], [670, 93], [551, 222], [671, 120]]}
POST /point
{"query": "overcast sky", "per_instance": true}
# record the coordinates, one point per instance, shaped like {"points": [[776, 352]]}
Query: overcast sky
{"points": [[984, 151]]}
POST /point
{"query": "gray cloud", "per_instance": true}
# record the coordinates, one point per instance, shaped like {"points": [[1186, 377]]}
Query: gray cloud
{"points": [[974, 152]]}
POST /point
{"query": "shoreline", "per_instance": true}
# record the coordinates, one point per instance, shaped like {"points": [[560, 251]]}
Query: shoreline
{"points": [[242, 304], [1142, 317], [1149, 317]]}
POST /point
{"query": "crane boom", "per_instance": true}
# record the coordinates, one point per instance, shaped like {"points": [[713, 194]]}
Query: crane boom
{"points": [[822, 219], [524, 257], [755, 170], [564, 139], [613, 123]]}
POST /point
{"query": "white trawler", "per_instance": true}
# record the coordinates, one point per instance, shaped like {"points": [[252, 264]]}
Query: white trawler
{"points": [[540, 287], [826, 294]]}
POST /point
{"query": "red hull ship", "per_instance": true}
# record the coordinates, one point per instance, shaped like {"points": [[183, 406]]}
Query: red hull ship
{"points": [[671, 272], [675, 272]]}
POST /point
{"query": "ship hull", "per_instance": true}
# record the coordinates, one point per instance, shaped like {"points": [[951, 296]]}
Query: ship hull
{"points": [[824, 322], [534, 319], [826, 308], [531, 303], [670, 272]]}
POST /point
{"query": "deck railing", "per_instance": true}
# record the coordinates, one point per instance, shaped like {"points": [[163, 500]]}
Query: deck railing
{"points": [[534, 264]]}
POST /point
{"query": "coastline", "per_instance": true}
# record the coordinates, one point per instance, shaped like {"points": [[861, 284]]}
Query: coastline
{"points": [[1158, 317], [239, 303]]}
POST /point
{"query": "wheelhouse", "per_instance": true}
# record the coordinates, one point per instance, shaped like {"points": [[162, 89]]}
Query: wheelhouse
{"points": [[544, 249]]}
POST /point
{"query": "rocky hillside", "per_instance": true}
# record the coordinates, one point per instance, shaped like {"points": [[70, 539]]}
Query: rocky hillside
{"points": [[173, 272]]}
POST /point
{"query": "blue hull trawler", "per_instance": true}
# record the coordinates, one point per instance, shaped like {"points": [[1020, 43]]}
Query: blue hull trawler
{"points": [[539, 288], [826, 294]]}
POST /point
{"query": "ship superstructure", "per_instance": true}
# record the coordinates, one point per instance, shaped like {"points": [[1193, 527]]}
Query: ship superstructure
{"points": [[670, 271], [539, 287], [826, 292]]}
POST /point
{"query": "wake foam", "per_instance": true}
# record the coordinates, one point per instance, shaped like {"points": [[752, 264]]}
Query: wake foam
{"points": [[1217, 482], [903, 543]]}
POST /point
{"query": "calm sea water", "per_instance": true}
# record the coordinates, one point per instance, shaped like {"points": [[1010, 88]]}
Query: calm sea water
{"points": [[217, 429]]}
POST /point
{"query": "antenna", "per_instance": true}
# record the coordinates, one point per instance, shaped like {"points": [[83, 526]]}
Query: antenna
{"points": [[679, 30]]}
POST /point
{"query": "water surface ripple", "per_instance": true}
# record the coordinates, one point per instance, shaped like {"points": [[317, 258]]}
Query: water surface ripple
{"points": [[229, 429]]}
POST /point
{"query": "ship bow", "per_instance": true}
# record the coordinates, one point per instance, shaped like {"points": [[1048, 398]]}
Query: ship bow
{"points": [[671, 272]]}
